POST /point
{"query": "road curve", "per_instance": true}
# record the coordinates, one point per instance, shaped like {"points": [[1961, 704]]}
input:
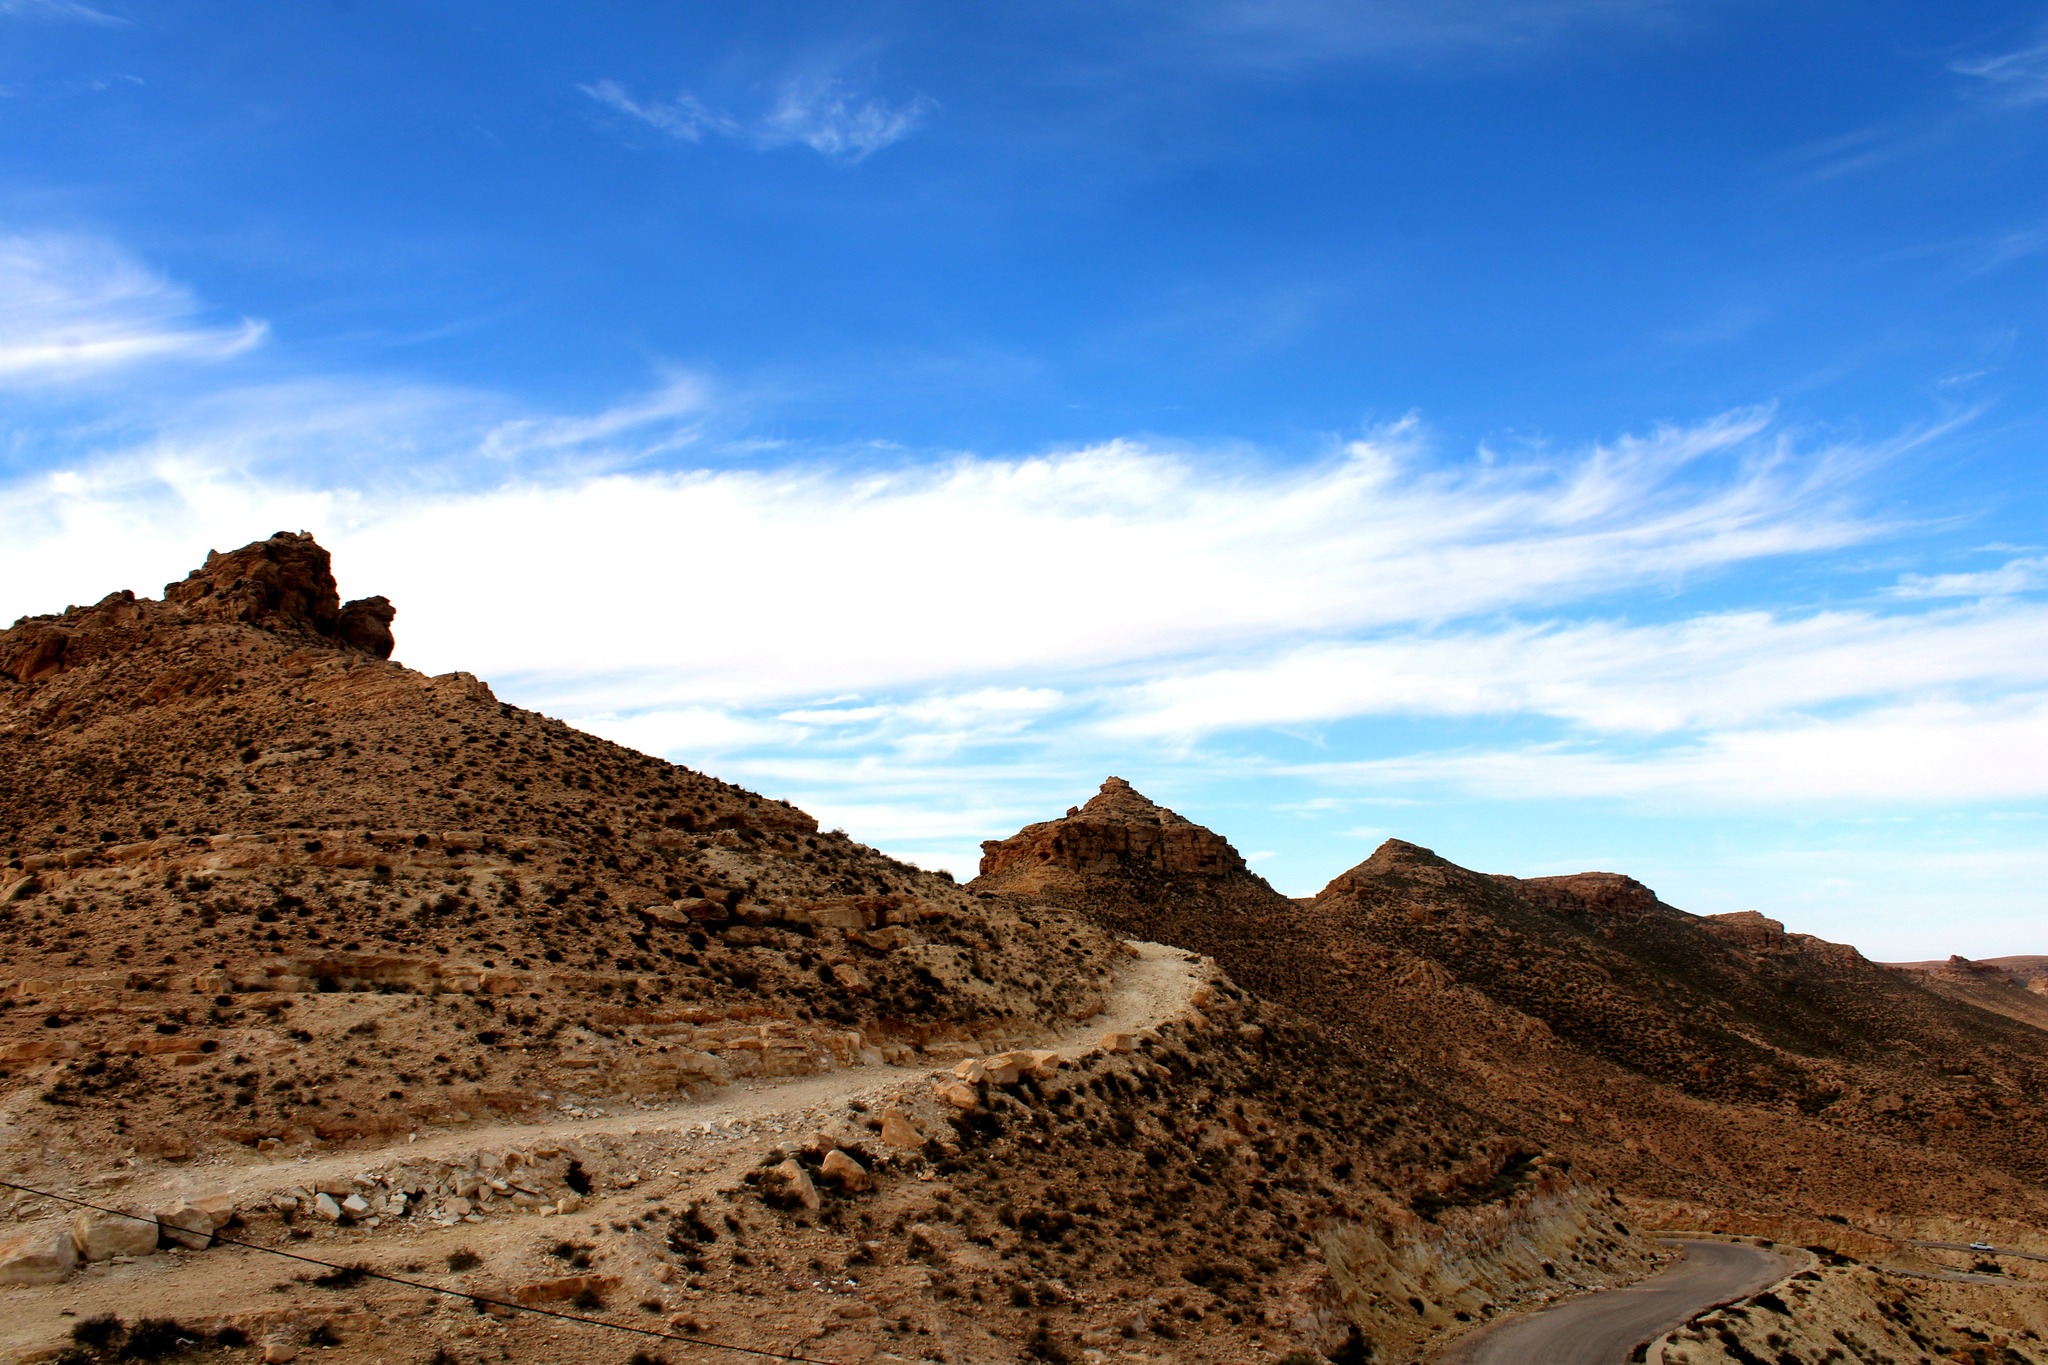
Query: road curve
{"points": [[1603, 1328]]}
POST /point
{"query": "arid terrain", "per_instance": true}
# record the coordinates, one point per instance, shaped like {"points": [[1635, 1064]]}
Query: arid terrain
{"points": [[307, 951]]}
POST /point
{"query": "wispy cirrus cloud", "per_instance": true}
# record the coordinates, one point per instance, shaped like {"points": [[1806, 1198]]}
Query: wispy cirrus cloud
{"points": [[822, 114], [2019, 77], [2025, 574], [1285, 34], [1705, 672], [59, 9], [1112, 556], [1919, 754], [72, 307]]}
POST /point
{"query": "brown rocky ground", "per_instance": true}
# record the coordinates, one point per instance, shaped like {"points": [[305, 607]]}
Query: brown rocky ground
{"points": [[1843, 1310], [2016, 987], [1712, 1068], [303, 949]]}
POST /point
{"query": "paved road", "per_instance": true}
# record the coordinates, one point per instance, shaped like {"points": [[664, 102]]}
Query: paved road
{"points": [[1603, 1328], [1995, 1251]]}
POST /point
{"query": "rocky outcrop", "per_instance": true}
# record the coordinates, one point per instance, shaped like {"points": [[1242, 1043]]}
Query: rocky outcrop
{"points": [[258, 821], [1119, 830], [1608, 894], [284, 584], [365, 624]]}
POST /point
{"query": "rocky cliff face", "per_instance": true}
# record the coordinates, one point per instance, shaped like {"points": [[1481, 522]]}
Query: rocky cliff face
{"points": [[285, 585]]}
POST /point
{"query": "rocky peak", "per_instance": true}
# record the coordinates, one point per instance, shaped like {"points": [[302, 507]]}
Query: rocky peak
{"points": [[284, 584], [1119, 831], [1395, 861]]}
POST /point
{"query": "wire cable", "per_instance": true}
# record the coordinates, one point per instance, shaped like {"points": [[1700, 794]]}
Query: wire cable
{"points": [[365, 1272]]}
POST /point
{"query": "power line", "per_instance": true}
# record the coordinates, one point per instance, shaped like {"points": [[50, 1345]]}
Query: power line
{"points": [[365, 1272]]}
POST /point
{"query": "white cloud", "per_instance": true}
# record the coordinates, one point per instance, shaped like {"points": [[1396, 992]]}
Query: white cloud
{"points": [[1915, 755], [2013, 576], [780, 584], [933, 655], [821, 114], [72, 307], [1711, 671]]}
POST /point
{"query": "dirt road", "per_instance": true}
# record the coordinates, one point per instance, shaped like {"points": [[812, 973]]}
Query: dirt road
{"points": [[693, 1148], [1603, 1328]]}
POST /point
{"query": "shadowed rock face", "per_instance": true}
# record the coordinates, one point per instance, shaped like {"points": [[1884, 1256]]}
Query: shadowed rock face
{"points": [[284, 584]]}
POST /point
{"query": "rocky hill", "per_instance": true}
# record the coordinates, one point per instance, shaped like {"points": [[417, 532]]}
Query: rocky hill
{"points": [[263, 883], [2016, 987], [306, 949], [1709, 1066]]}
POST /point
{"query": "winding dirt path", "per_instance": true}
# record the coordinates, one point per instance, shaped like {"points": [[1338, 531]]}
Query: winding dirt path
{"points": [[693, 1148]]}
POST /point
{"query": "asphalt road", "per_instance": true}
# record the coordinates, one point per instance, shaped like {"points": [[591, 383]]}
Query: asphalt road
{"points": [[1995, 1251], [1603, 1328]]}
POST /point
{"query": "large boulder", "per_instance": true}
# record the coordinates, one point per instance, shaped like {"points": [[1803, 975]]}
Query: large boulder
{"points": [[192, 1223], [99, 1236], [45, 1255]]}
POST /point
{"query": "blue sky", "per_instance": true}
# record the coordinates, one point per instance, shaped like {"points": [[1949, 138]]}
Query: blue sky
{"points": [[1566, 433]]}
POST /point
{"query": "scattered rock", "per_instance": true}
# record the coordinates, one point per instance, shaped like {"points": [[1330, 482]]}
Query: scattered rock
{"points": [[790, 1185], [566, 1287], [45, 1255], [99, 1236], [898, 1130], [192, 1224], [845, 1172], [324, 1205], [923, 1241], [959, 1096]]}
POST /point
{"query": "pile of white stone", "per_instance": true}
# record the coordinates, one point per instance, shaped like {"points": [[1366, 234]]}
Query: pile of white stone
{"points": [[442, 1193]]}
